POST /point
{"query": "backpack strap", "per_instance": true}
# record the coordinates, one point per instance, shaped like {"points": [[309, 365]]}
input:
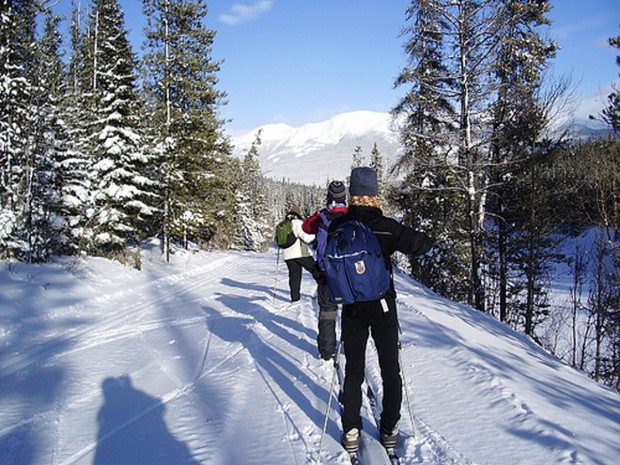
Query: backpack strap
{"points": [[321, 235]]}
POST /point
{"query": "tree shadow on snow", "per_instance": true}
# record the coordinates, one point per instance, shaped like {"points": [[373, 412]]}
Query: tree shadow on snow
{"points": [[281, 290], [23, 442], [280, 325], [33, 374], [273, 363], [132, 430]]}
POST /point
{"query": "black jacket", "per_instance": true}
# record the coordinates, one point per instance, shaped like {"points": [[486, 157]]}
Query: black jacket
{"points": [[392, 235]]}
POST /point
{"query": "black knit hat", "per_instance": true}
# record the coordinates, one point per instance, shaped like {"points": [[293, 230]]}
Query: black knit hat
{"points": [[363, 182], [336, 192]]}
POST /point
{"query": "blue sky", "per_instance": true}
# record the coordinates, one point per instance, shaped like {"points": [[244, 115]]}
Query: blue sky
{"points": [[301, 61]]}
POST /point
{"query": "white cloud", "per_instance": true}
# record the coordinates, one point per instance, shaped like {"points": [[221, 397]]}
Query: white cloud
{"points": [[240, 13], [577, 28], [593, 103]]}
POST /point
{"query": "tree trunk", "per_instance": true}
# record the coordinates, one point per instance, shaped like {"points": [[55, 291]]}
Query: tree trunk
{"points": [[503, 266]]}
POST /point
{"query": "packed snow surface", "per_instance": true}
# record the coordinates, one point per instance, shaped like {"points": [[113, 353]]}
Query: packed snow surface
{"points": [[204, 361]]}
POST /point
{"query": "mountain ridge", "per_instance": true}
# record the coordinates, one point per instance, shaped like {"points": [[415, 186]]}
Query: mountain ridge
{"points": [[315, 153]]}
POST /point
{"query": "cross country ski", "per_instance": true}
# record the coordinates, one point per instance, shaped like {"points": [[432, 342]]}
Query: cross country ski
{"points": [[374, 408]]}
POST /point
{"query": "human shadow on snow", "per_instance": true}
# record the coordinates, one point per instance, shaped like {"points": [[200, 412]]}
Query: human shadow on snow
{"points": [[199, 367], [132, 430]]}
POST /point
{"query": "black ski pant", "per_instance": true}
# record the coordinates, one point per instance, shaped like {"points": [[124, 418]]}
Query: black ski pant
{"points": [[360, 320], [328, 312], [295, 266]]}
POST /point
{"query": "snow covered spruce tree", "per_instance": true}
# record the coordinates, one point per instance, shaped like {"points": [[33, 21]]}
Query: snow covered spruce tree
{"points": [[448, 119], [252, 213], [46, 222], [198, 175], [71, 176], [122, 196], [17, 154]]}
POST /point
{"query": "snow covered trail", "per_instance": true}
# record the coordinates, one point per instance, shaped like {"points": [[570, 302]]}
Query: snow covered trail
{"points": [[194, 364], [198, 361]]}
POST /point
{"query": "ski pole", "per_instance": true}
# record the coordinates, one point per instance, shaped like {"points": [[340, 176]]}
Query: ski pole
{"points": [[329, 401], [409, 405], [275, 285]]}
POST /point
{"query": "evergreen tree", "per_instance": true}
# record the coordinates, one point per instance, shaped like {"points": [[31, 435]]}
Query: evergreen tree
{"points": [[519, 120], [73, 174], [378, 164], [434, 192], [475, 39], [449, 126], [49, 145], [198, 175], [17, 37], [531, 245], [611, 114], [121, 194], [358, 157], [424, 111], [253, 223]]}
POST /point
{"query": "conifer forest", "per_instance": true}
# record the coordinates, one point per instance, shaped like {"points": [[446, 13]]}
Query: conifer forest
{"points": [[102, 148]]}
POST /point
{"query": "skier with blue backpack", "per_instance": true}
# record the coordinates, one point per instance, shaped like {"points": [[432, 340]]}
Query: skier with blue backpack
{"points": [[317, 224], [364, 284]]}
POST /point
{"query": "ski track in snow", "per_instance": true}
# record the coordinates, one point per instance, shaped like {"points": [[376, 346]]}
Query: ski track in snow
{"points": [[219, 369], [420, 443], [108, 329]]}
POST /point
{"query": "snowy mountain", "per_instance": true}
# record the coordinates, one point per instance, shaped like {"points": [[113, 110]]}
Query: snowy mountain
{"points": [[204, 361], [316, 152], [582, 130]]}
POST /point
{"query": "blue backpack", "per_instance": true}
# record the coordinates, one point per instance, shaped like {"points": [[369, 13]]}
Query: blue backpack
{"points": [[327, 216], [354, 264], [321, 238]]}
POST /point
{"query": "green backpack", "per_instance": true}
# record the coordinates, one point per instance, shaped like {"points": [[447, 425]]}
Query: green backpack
{"points": [[284, 234]]}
